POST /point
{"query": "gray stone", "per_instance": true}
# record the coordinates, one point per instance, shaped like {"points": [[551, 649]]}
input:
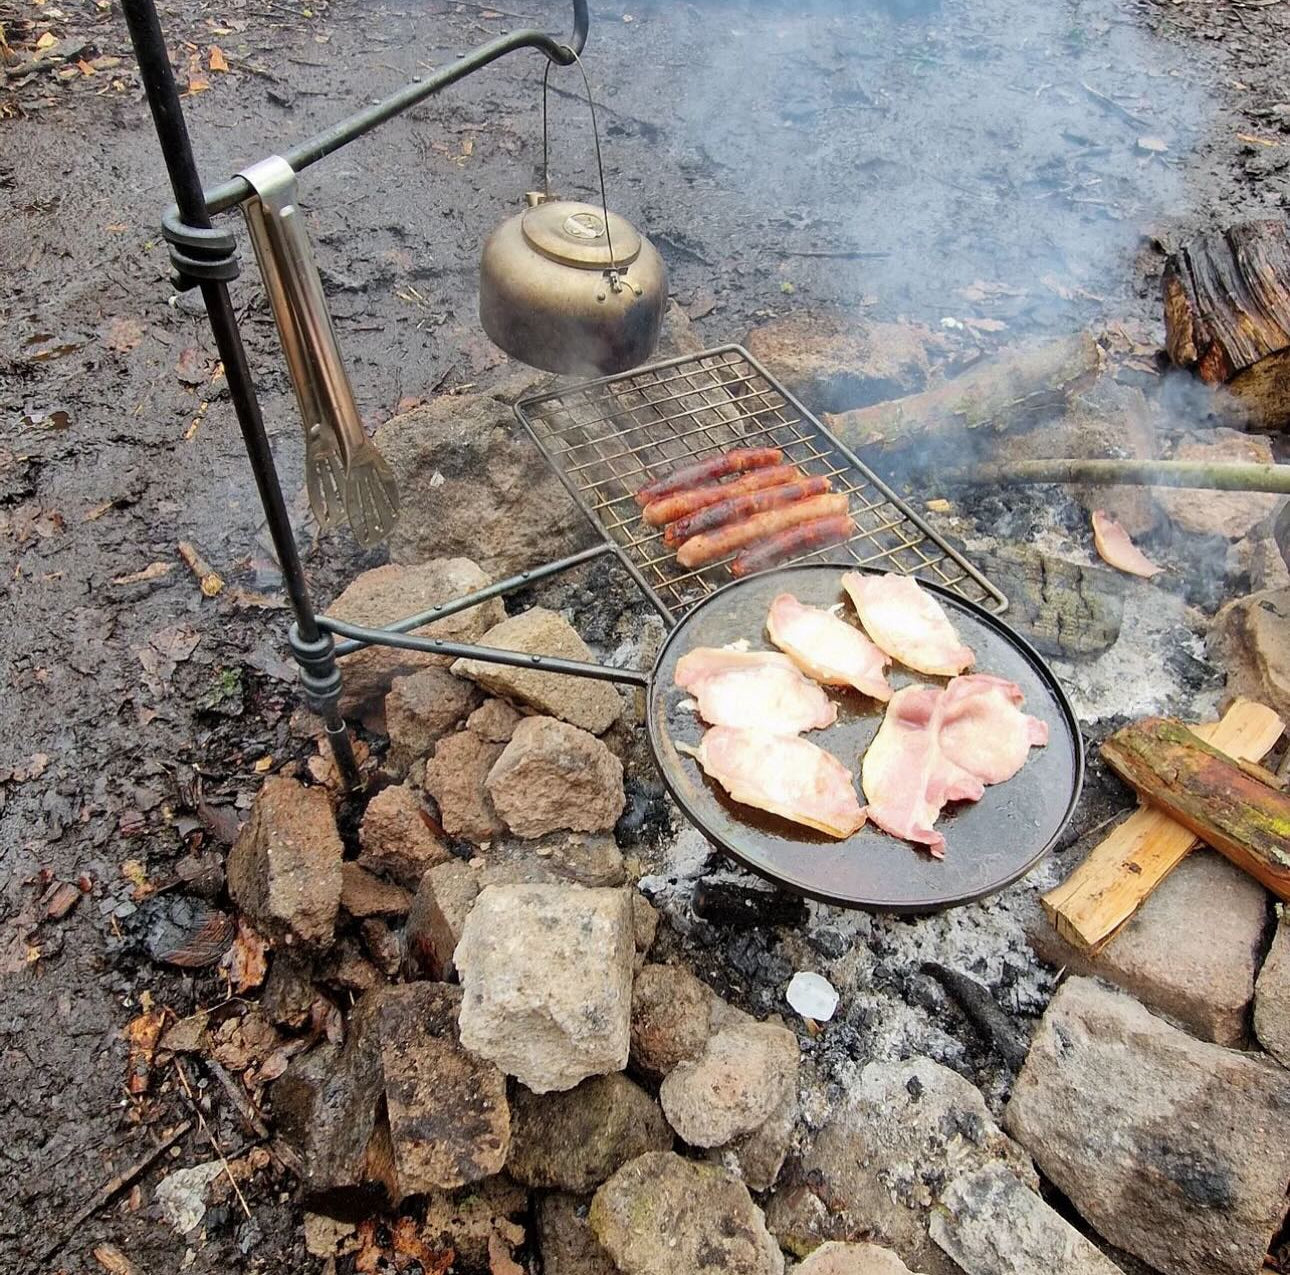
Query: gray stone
{"points": [[645, 919], [553, 776], [1232, 514], [420, 709], [758, 1156], [1201, 976], [494, 720], [743, 1075], [455, 778], [573, 1141], [284, 870], [1176, 1150], [471, 483], [662, 1215], [449, 1118], [398, 838], [992, 1225], [1272, 997], [905, 1132], [593, 705], [840, 1258], [437, 916], [547, 973], [385, 594], [591, 859], [565, 1238], [670, 1018], [1250, 637]]}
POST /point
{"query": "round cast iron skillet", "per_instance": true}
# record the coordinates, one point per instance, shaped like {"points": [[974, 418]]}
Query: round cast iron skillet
{"points": [[990, 843]]}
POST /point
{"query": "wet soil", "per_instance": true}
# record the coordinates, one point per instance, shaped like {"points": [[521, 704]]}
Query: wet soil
{"points": [[963, 162]]}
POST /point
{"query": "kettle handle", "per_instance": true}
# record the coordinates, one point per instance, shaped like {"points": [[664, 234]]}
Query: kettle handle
{"points": [[613, 270]]}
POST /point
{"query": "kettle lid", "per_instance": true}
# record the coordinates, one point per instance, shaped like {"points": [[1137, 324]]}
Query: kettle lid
{"points": [[573, 234]]}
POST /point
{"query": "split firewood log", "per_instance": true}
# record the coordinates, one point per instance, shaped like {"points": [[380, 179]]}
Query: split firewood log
{"points": [[1227, 316]]}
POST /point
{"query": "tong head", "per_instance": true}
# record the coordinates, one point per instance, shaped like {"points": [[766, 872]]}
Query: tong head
{"points": [[371, 495], [324, 476]]}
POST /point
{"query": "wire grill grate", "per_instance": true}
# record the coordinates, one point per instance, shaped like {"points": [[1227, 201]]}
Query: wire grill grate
{"points": [[605, 439]]}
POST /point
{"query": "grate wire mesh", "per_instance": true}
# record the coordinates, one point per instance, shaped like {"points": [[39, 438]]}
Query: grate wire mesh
{"points": [[605, 439]]}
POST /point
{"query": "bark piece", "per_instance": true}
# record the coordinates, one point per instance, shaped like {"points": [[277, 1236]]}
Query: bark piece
{"points": [[1176, 1150], [1202, 789], [1227, 315], [1015, 389]]}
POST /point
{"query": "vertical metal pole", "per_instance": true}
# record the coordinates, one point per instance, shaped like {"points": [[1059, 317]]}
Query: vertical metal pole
{"points": [[313, 649]]}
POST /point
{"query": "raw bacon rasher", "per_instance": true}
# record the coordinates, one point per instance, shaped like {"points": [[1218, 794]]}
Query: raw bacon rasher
{"points": [[904, 620], [827, 648], [937, 746], [753, 688]]}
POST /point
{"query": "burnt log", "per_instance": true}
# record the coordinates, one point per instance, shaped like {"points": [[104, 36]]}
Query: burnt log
{"points": [[1202, 789], [1017, 389], [1227, 316]]}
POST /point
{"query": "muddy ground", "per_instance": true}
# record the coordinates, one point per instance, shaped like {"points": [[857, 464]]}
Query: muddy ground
{"points": [[922, 151]]}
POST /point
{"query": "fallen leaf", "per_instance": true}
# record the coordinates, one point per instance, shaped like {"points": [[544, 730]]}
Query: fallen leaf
{"points": [[46, 41], [137, 875], [142, 1034], [247, 962], [263, 764], [84, 67], [114, 1261], [217, 61], [153, 571]]}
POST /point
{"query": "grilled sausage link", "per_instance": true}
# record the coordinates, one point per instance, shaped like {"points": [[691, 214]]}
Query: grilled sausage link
{"points": [[754, 502], [734, 461], [679, 504], [817, 534], [700, 550]]}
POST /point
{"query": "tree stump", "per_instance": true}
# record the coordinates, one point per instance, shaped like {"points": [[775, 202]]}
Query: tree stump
{"points": [[1227, 316]]}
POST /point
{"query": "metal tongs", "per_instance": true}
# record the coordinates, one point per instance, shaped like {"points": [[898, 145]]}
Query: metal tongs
{"points": [[344, 472]]}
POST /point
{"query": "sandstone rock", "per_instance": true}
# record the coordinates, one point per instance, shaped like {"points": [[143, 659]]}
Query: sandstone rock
{"points": [[455, 778], [644, 925], [384, 944], [592, 705], [906, 1131], [757, 1157], [362, 893], [284, 870], [833, 361], [347, 967], [565, 1238], [398, 837], [574, 1140], [547, 973], [1176, 1150], [474, 1227], [1202, 976], [471, 483], [1272, 997], [585, 858], [733, 1087], [385, 594], [992, 1225], [670, 1013], [662, 1215], [553, 776], [1221, 513], [288, 994], [439, 910], [449, 1118], [420, 709], [838, 1258], [494, 720], [1251, 639]]}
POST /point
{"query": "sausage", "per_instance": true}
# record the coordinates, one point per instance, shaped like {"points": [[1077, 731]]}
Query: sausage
{"points": [[753, 502], [734, 461], [679, 504], [806, 536], [710, 546]]}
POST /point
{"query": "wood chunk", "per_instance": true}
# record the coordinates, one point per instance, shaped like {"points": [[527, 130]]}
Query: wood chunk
{"points": [[1122, 871], [1227, 315], [1207, 792], [1018, 388]]}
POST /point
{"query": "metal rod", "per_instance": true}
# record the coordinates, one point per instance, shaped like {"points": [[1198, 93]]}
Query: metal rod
{"points": [[236, 189], [1200, 475], [486, 654], [495, 590], [172, 132]]}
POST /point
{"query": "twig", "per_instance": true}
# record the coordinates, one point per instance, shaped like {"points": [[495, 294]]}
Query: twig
{"points": [[981, 1010], [211, 1138], [253, 1119], [1130, 473], [114, 1186], [841, 254], [1113, 106]]}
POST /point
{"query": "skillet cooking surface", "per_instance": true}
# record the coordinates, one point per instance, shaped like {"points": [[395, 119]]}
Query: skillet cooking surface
{"points": [[990, 843]]}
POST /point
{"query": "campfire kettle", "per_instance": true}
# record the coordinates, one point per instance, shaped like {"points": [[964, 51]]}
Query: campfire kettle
{"points": [[570, 287]]}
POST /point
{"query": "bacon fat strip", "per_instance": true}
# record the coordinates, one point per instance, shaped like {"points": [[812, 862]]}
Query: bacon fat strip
{"points": [[753, 502], [683, 503], [819, 533], [700, 550], [735, 461]]}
